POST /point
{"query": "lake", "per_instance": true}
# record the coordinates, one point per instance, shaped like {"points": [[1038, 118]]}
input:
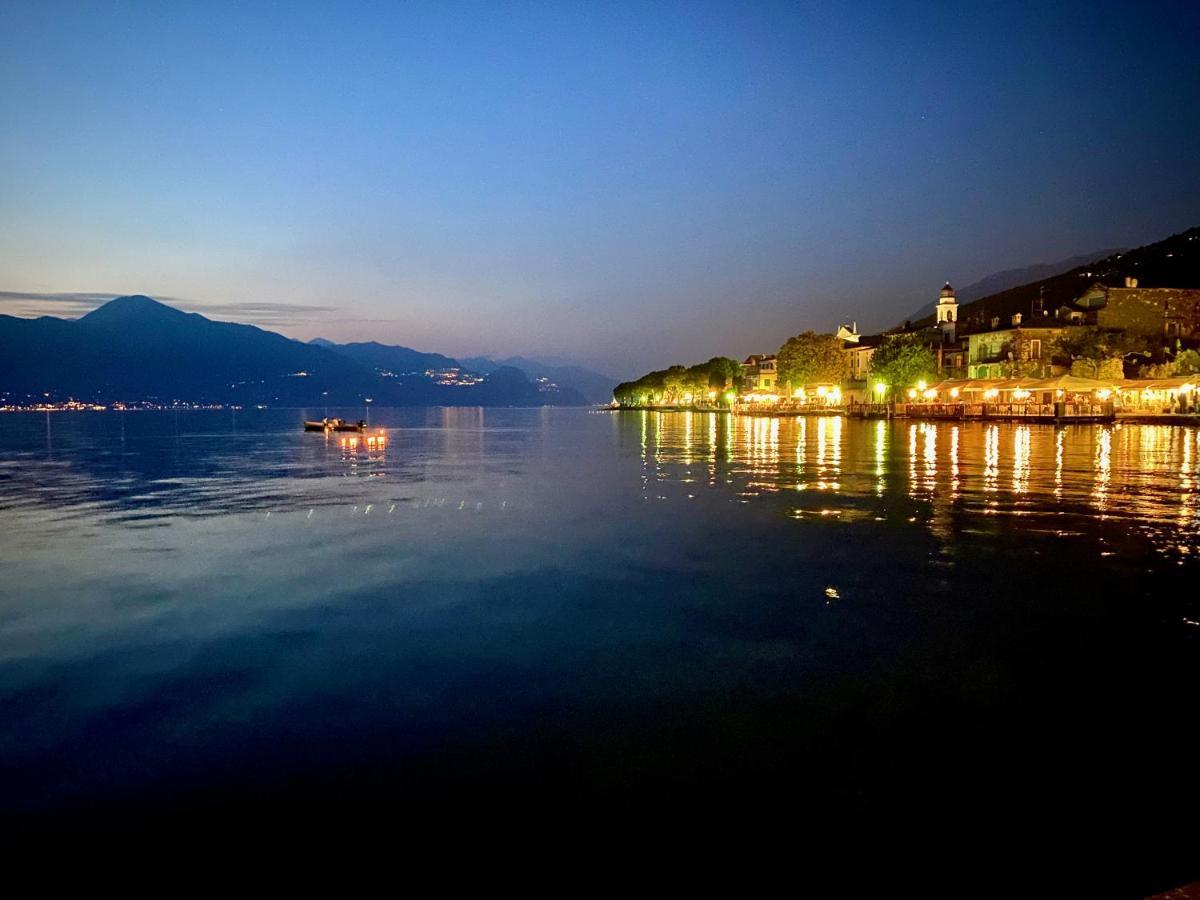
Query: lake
{"points": [[986, 627]]}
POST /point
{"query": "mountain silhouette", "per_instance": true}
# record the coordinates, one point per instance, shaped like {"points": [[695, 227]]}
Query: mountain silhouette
{"points": [[1171, 262], [395, 359], [1011, 278], [594, 387], [135, 348]]}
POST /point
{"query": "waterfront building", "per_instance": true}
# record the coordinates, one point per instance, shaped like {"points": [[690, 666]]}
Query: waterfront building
{"points": [[1015, 349], [1166, 314], [759, 373], [859, 353]]}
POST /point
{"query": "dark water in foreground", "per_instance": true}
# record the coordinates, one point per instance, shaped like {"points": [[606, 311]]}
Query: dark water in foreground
{"points": [[877, 627]]}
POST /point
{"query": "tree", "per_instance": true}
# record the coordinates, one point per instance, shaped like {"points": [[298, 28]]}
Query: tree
{"points": [[674, 384], [812, 358], [1095, 353], [1187, 362], [901, 361], [723, 373]]}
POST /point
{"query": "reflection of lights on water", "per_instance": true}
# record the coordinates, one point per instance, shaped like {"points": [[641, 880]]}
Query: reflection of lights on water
{"points": [[1103, 466], [880, 455], [991, 457], [1020, 477], [687, 438], [829, 453], [801, 450], [1149, 475], [954, 460], [930, 454], [912, 457], [1187, 480], [1058, 462], [712, 448]]}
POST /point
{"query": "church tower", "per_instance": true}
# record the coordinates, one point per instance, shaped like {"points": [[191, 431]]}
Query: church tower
{"points": [[947, 313]]}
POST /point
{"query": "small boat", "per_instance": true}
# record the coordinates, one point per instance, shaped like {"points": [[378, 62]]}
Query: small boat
{"points": [[328, 425]]}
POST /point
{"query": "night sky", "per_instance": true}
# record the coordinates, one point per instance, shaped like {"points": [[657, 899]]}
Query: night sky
{"points": [[624, 185]]}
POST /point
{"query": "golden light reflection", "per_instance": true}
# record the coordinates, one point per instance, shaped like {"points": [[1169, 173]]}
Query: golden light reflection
{"points": [[912, 456], [1020, 474], [930, 454], [801, 451], [712, 448], [881, 448], [954, 482], [829, 453], [1148, 476], [1103, 467], [1059, 434], [361, 455], [991, 458]]}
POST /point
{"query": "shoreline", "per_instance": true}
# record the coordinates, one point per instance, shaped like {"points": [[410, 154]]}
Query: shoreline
{"points": [[1130, 418]]}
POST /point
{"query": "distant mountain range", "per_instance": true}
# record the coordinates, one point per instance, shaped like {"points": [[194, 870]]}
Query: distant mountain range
{"points": [[137, 349], [594, 386], [387, 358]]}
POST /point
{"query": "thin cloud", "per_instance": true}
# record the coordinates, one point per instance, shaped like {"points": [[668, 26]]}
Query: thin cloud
{"points": [[71, 304]]}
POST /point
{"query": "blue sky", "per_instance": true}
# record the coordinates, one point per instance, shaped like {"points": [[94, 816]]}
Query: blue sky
{"points": [[630, 185]]}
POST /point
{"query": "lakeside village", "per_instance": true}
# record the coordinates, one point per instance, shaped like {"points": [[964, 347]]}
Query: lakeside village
{"points": [[1126, 352]]}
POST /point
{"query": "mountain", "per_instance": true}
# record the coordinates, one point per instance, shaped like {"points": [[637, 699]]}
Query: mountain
{"points": [[1173, 262], [137, 349], [394, 359], [593, 386], [1010, 278]]}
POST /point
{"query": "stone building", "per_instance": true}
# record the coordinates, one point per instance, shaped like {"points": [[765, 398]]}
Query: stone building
{"points": [[1014, 349], [1166, 314]]}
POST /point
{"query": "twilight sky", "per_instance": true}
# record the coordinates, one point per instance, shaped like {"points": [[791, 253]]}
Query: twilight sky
{"points": [[627, 185]]}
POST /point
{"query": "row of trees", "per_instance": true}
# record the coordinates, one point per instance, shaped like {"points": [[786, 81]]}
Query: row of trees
{"points": [[811, 358], [680, 383]]}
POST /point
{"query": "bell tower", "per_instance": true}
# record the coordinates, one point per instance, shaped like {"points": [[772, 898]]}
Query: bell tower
{"points": [[947, 312]]}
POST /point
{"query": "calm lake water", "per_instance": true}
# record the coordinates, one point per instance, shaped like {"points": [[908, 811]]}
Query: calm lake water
{"points": [[989, 627]]}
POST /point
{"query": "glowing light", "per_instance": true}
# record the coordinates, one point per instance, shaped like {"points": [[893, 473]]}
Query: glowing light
{"points": [[921, 385], [1020, 394], [1104, 394], [954, 392], [912, 393], [929, 393], [880, 388], [991, 394], [822, 391]]}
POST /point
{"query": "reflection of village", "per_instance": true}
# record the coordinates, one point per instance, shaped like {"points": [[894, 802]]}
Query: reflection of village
{"points": [[829, 466]]}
